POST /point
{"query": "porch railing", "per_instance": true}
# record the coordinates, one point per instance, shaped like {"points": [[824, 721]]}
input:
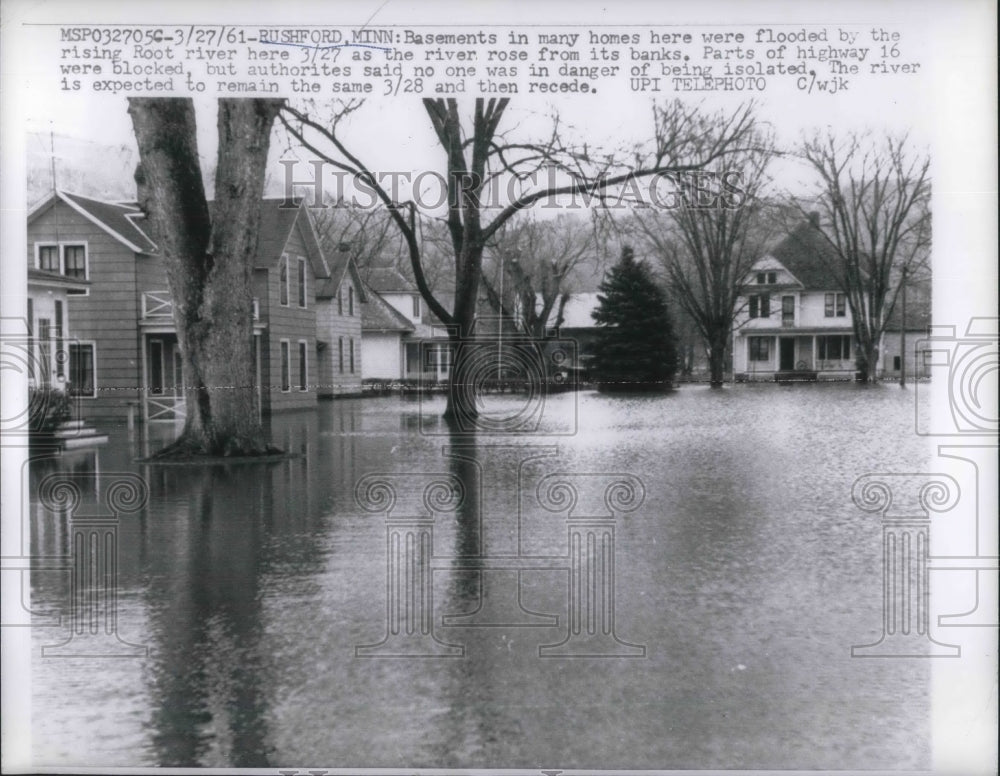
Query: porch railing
{"points": [[165, 408]]}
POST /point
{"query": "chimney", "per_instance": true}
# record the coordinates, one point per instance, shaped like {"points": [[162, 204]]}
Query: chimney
{"points": [[814, 219]]}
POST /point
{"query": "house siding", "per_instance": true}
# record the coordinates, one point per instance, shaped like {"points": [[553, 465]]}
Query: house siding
{"points": [[333, 326], [292, 323], [108, 316], [382, 356]]}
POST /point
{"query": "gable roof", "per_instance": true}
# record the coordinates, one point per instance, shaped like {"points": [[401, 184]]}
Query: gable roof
{"points": [[341, 264], [807, 254], [120, 220], [377, 315], [389, 280]]}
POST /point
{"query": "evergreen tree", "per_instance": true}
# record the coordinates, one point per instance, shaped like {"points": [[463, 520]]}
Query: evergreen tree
{"points": [[635, 348]]}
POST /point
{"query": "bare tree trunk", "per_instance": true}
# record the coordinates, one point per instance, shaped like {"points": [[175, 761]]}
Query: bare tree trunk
{"points": [[717, 363], [209, 260]]}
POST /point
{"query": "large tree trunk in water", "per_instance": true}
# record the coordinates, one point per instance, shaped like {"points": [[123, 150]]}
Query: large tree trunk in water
{"points": [[209, 260], [717, 364]]}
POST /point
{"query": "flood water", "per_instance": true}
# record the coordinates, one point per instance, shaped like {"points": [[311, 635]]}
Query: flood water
{"points": [[261, 594]]}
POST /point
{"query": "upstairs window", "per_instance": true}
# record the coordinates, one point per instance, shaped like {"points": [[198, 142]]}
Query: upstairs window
{"points": [[283, 281], [787, 309], [416, 306], [760, 306], [48, 259], [68, 259], [835, 306], [302, 282], [350, 300]]}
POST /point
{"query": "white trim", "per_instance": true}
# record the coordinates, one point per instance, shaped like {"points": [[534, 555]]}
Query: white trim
{"points": [[282, 361], [283, 262], [301, 280], [303, 354], [98, 222], [69, 380]]}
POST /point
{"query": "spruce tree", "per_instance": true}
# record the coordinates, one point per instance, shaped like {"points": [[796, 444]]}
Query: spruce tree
{"points": [[635, 349]]}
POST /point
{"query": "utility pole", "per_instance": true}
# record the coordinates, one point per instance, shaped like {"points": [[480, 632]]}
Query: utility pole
{"points": [[902, 337]]}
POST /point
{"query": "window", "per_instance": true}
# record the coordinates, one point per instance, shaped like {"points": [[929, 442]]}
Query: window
{"points": [[787, 310], [835, 306], [302, 282], [760, 278], [283, 281], [286, 367], [416, 306], [48, 258], [69, 259], [75, 261], [896, 363], [351, 346], [836, 347], [81, 370], [350, 302], [772, 277], [303, 367], [760, 348], [60, 353], [766, 277], [340, 354], [760, 306], [340, 302]]}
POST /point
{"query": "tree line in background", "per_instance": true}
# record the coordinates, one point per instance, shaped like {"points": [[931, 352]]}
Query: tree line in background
{"points": [[872, 196]]}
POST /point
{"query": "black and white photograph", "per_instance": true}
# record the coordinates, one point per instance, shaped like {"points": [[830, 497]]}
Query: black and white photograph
{"points": [[542, 388]]}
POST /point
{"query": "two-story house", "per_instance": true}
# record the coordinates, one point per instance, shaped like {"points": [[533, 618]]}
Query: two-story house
{"points": [[793, 321], [127, 358]]}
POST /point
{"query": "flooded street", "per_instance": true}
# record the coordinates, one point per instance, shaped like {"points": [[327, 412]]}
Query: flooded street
{"points": [[714, 628]]}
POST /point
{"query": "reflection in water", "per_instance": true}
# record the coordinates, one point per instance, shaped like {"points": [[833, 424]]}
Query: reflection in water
{"points": [[209, 665], [747, 572]]}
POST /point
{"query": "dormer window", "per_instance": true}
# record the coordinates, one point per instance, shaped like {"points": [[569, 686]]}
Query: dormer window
{"points": [[767, 278]]}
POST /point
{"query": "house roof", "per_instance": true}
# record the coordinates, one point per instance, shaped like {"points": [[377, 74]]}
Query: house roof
{"points": [[40, 277], [388, 280], [120, 220], [377, 315], [807, 254]]}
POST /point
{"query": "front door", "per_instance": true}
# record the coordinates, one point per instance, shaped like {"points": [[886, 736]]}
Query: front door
{"points": [[786, 354]]}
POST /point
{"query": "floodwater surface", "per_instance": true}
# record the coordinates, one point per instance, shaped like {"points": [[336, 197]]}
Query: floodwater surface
{"points": [[700, 613]]}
